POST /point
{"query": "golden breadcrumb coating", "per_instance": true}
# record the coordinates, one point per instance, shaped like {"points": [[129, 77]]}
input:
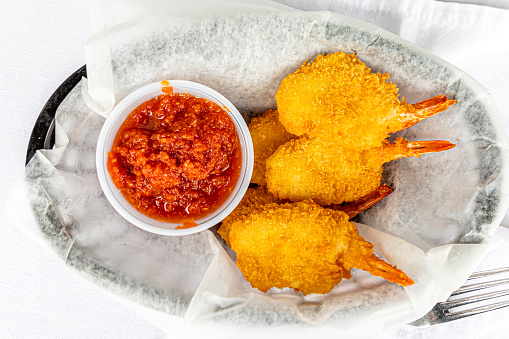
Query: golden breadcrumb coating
{"points": [[252, 200], [337, 96], [303, 246], [267, 134], [327, 173]]}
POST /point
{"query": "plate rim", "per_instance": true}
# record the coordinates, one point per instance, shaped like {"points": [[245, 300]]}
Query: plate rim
{"points": [[43, 127]]}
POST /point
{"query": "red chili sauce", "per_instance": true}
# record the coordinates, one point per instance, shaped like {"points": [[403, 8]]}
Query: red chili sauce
{"points": [[176, 158]]}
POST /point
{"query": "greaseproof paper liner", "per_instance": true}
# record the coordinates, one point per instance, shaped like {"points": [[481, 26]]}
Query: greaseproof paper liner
{"points": [[362, 306]]}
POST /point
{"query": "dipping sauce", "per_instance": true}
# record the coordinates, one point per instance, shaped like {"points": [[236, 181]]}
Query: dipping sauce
{"points": [[176, 158]]}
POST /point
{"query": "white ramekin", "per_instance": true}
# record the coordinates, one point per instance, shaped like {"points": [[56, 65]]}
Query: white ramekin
{"points": [[115, 120]]}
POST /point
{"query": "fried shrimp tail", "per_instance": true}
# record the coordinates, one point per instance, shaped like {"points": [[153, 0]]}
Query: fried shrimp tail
{"points": [[380, 268], [364, 203], [361, 256], [423, 110], [402, 148]]}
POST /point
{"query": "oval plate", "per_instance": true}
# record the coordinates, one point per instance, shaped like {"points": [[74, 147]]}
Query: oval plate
{"points": [[463, 208]]}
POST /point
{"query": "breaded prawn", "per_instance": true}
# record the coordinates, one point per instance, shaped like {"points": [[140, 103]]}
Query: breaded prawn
{"points": [[337, 96], [267, 134], [305, 247], [327, 173]]}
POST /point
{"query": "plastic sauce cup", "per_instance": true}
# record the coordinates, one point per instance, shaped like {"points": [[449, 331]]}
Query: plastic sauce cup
{"points": [[109, 132]]}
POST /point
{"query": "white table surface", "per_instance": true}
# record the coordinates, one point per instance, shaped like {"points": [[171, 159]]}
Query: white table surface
{"points": [[41, 44]]}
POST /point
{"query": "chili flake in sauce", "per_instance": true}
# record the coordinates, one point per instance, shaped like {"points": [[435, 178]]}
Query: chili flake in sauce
{"points": [[176, 158]]}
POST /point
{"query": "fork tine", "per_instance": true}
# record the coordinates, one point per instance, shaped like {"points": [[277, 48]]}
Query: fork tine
{"points": [[474, 311], [441, 312], [469, 300], [480, 286], [483, 274]]}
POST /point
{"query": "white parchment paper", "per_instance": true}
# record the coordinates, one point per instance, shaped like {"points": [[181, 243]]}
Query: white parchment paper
{"points": [[436, 226]]}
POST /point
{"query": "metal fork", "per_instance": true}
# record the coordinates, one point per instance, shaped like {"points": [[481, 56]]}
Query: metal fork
{"points": [[441, 312]]}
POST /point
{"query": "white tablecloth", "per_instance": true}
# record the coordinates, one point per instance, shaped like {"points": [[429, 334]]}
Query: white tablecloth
{"points": [[42, 43]]}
